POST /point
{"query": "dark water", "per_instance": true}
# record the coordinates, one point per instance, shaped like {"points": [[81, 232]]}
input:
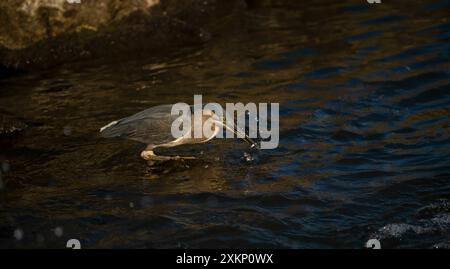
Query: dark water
{"points": [[364, 94]]}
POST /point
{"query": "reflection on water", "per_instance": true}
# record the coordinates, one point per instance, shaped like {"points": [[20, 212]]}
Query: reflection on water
{"points": [[364, 142]]}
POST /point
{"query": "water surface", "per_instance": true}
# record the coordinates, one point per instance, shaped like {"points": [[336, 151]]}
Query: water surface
{"points": [[364, 93]]}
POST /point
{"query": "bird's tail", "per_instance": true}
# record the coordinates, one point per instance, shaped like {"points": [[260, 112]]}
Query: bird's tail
{"points": [[108, 130]]}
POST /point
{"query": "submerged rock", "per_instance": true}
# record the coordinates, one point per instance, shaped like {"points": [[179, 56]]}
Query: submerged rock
{"points": [[10, 124], [439, 207]]}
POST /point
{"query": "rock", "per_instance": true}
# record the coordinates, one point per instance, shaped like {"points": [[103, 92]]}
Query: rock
{"points": [[37, 34], [10, 124], [24, 22], [440, 207]]}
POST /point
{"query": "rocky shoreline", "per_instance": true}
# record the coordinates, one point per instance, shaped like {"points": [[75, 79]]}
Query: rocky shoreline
{"points": [[39, 34]]}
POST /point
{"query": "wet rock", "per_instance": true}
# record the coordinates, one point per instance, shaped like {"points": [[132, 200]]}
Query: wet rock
{"points": [[24, 22], [10, 125], [429, 211], [37, 34]]}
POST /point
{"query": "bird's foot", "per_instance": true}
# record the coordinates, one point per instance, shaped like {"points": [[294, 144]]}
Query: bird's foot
{"points": [[149, 155]]}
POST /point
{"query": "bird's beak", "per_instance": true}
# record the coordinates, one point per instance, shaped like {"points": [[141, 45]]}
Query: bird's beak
{"points": [[236, 131]]}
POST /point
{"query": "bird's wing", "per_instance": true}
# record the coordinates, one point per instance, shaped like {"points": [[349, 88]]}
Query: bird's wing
{"points": [[151, 126]]}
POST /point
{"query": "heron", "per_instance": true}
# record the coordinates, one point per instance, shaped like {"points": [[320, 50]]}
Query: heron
{"points": [[153, 128]]}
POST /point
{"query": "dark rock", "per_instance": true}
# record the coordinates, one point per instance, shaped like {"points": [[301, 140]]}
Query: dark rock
{"points": [[37, 34], [24, 22], [10, 125]]}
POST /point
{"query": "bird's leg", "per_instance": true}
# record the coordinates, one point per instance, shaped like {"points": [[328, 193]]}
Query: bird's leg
{"points": [[149, 155]]}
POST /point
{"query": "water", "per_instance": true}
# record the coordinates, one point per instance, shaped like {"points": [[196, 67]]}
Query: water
{"points": [[364, 141]]}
